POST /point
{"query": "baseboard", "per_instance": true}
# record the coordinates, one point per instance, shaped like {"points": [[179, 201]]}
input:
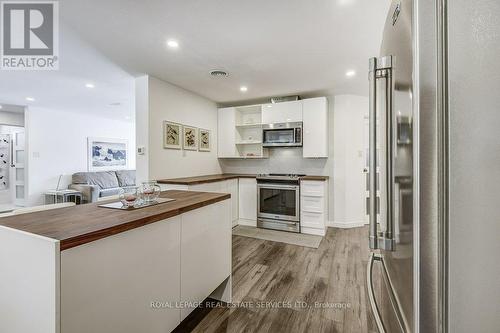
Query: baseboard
{"points": [[251, 223], [344, 225], [312, 231]]}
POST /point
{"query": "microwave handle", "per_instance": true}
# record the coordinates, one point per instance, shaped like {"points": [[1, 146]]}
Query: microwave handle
{"points": [[297, 135]]}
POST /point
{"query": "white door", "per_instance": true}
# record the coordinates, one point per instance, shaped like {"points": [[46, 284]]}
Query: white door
{"points": [[17, 167]]}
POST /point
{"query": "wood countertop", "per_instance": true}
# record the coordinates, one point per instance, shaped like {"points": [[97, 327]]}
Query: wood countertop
{"points": [[82, 224], [204, 179], [318, 178], [220, 177]]}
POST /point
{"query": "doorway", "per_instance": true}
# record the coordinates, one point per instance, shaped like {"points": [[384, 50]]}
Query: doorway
{"points": [[12, 160]]}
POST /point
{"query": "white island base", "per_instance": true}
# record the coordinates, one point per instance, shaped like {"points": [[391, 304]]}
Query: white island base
{"points": [[147, 279]]}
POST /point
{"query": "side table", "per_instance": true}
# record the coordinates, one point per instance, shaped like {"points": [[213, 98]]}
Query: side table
{"points": [[59, 196]]}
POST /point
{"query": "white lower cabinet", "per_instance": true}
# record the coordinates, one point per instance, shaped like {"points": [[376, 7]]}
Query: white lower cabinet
{"points": [[313, 220], [312, 204], [205, 243], [243, 197], [226, 186], [248, 201], [147, 278], [232, 188], [168, 187], [313, 207], [112, 284]]}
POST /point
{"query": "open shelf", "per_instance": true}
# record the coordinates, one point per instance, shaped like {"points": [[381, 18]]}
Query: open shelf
{"points": [[247, 122]]}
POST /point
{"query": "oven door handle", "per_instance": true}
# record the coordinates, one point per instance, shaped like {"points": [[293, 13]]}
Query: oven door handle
{"points": [[279, 187], [280, 221]]}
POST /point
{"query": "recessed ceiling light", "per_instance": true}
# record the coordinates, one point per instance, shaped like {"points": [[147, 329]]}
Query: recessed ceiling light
{"points": [[30, 99], [90, 85], [1, 107], [350, 73], [127, 117], [243, 89], [173, 44]]}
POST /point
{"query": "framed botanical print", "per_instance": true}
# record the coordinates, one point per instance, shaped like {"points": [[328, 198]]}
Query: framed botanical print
{"points": [[172, 135], [190, 138], [204, 144]]}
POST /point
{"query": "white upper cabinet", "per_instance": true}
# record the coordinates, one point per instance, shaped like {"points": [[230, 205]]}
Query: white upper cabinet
{"points": [[226, 138], [315, 127], [240, 128], [282, 112]]}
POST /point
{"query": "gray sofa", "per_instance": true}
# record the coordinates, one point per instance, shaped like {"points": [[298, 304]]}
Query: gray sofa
{"points": [[95, 185]]}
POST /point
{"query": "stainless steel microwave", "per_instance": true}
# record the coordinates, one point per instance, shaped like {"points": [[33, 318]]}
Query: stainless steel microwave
{"points": [[282, 135]]}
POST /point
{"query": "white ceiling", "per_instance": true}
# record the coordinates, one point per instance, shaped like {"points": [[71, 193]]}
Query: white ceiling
{"points": [[65, 89], [275, 47]]}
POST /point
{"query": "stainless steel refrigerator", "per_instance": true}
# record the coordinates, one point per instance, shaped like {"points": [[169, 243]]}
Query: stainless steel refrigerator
{"points": [[391, 174], [434, 175]]}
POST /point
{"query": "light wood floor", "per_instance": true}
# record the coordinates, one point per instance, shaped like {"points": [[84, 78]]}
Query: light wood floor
{"points": [[265, 271]]}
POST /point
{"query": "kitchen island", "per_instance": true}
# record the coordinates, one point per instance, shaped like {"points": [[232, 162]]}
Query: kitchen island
{"points": [[93, 269]]}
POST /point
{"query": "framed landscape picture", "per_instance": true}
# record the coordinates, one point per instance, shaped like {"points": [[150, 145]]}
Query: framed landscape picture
{"points": [[172, 135], [107, 154], [190, 138], [204, 144]]}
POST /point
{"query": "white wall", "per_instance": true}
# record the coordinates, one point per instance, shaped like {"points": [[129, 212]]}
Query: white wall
{"points": [[169, 102], [142, 126], [12, 118], [349, 151], [57, 143], [344, 165]]}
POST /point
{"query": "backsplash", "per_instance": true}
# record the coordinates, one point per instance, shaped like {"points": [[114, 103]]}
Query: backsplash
{"points": [[281, 160]]}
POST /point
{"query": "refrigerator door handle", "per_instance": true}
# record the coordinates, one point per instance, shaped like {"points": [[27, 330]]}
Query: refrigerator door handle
{"points": [[371, 293], [372, 163], [380, 68], [396, 306]]}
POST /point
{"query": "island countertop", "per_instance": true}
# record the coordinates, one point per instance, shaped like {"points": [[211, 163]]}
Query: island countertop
{"points": [[81, 224]]}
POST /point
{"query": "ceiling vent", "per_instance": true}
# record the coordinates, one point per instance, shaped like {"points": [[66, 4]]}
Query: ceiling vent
{"points": [[218, 73]]}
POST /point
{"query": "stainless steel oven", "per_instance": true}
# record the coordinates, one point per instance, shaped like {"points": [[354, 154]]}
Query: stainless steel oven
{"points": [[278, 202], [282, 135]]}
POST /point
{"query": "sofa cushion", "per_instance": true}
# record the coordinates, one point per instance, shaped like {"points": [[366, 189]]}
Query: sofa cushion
{"points": [[126, 177], [109, 192], [79, 178], [103, 179]]}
